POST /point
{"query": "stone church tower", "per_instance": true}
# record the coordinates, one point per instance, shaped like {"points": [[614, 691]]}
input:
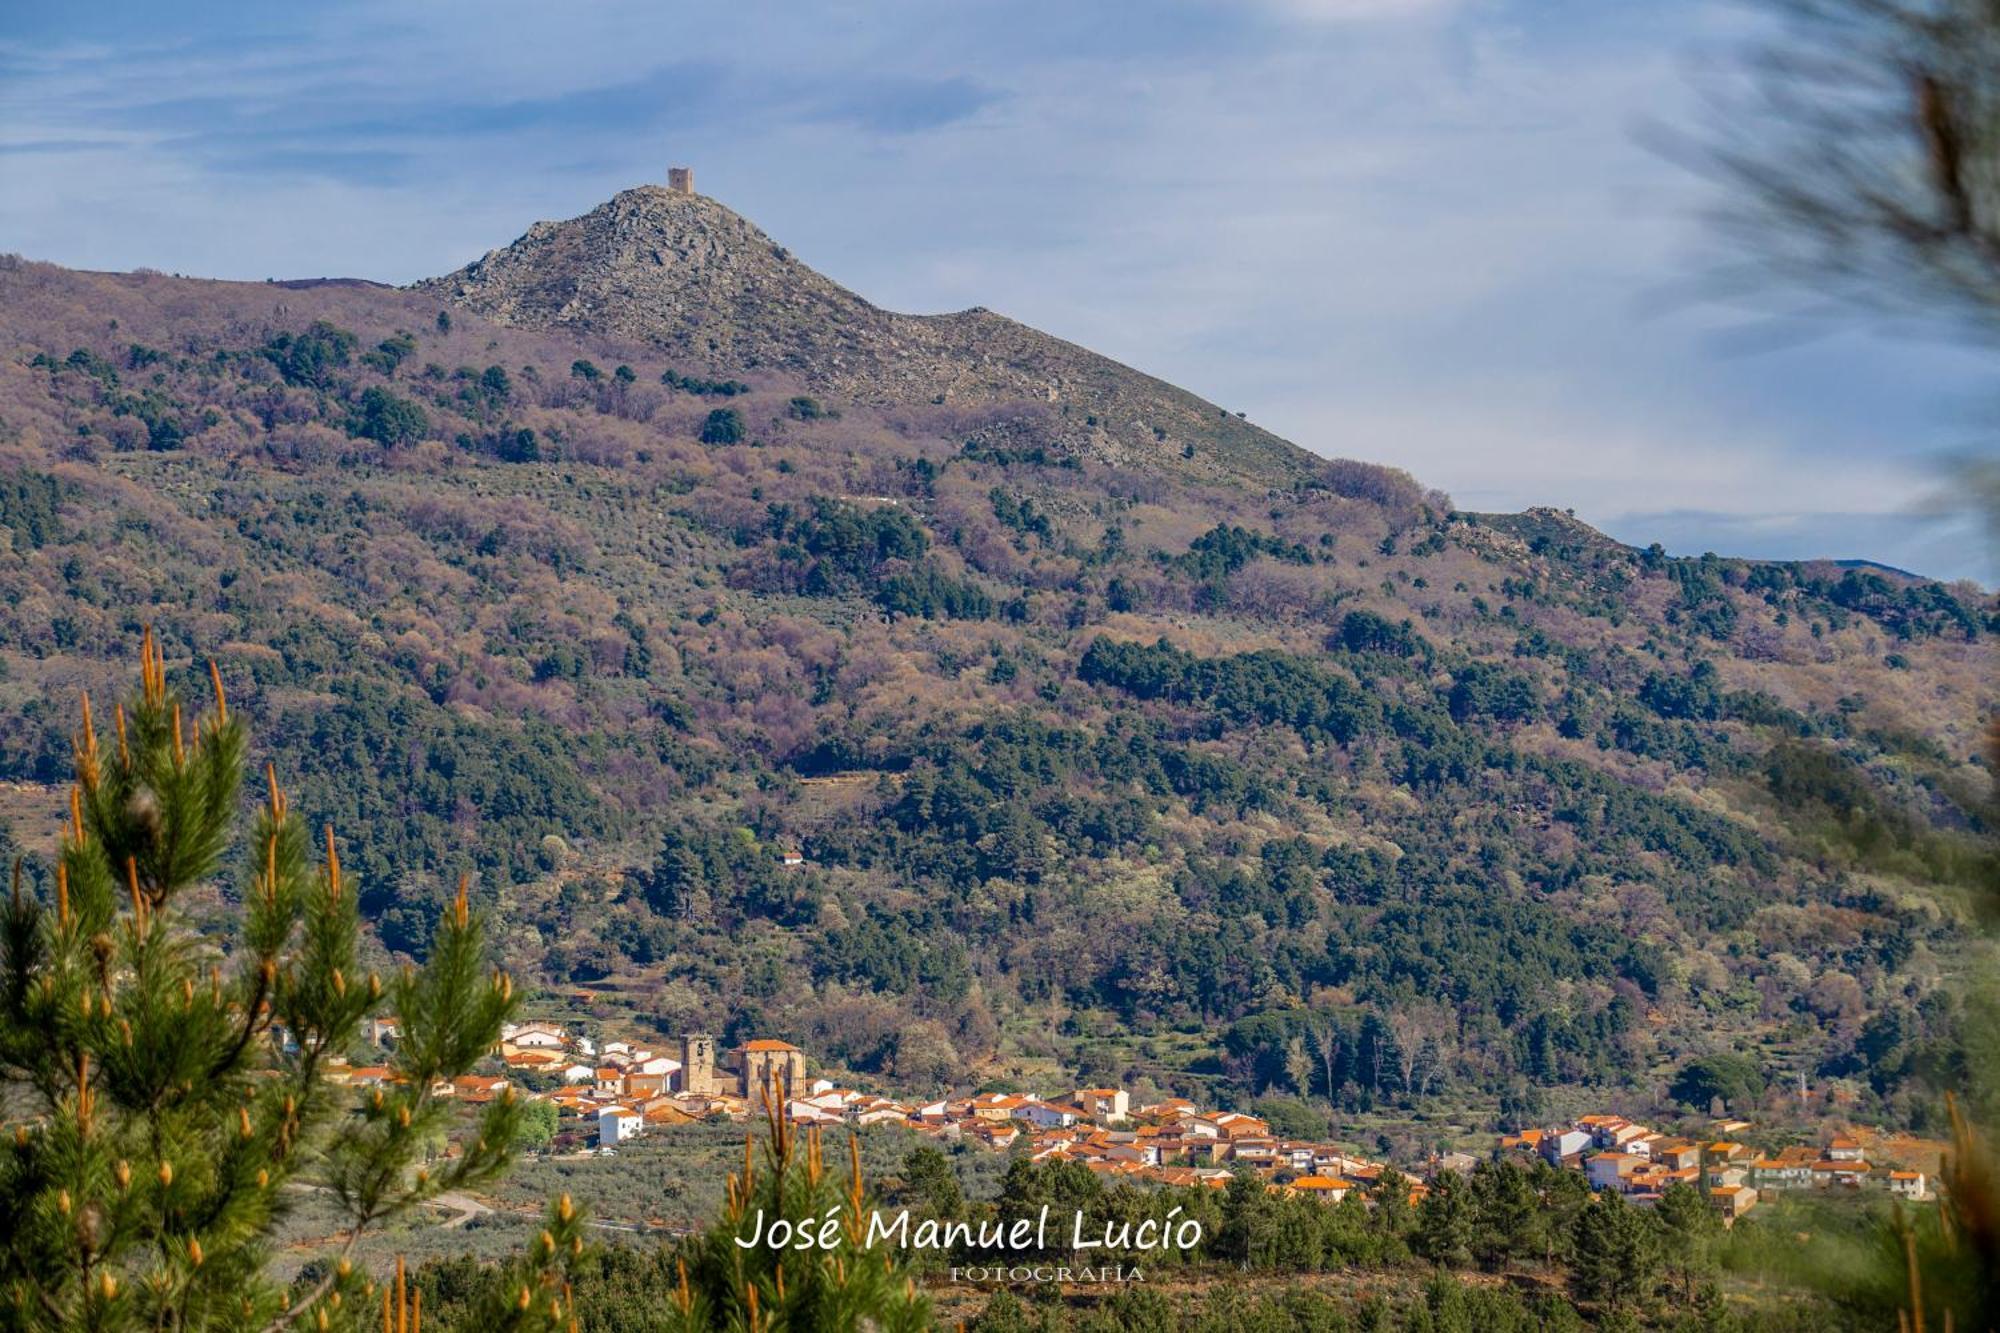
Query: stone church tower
{"points": [[698, 1065]]}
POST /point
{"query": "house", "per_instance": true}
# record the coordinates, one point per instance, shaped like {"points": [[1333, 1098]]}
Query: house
{"points": [[1607, 1170], [808, 1113], [1732, 1201], [610, 1079], [875, 1111], [1461, 1162], [576, 1073], [1330, 1188], [1907, 1184], [615, 1124], [1108, 1105], [1725, 1175], [791, 856], [1254, 1152], [1787, 1169], [1558, 1146], [992, 1135], [1236, 1125], [664, 1111], [1847, 1175], [535, 1036], [995, 1106], [1045, 1115], [1843, 1150], [475, 1088], [639, 1085], [1676, 1154], [1528, 1140], [1726, 1150]]}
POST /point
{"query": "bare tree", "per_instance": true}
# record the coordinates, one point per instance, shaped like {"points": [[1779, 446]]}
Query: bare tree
{"points": [[1324, 1034]]}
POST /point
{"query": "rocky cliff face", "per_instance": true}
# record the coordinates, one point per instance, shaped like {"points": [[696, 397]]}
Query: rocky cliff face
{"points": [[702, 283]]}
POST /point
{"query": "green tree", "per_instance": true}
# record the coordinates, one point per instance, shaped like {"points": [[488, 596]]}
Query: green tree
{"points": [[388, 420], [176, 1089], [928, 1177], [1689, 1229], [538, 1124], [1506, 1214], [725, 425], [1617, 1252], [1445, 1222], [1732, 1077]]}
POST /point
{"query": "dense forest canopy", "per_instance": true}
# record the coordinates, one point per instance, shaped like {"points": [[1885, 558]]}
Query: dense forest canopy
{"points": [[1131, 770]]}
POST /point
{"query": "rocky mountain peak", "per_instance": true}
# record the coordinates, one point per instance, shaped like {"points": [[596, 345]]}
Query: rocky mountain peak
{"points": [[690, 276]]}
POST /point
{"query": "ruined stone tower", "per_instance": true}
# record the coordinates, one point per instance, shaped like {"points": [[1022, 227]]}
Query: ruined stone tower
{"points": [[698, 1065], [680, 180]]}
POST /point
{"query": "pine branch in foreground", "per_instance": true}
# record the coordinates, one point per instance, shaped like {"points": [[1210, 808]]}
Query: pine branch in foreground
{"points": [[176, 1088]]}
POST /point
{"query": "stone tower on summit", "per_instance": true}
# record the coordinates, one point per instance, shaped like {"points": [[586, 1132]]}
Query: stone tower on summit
{"points": [[680, 180]]}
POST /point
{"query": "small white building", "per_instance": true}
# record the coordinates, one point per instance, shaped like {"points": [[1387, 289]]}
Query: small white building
{"points": [[1564, 1143], [1908, 1185], [1044, 1115], [615, 1124], [536, 1037]]}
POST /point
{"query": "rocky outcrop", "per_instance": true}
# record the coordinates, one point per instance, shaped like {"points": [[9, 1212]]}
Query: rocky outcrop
{"points": [[712, 290]]}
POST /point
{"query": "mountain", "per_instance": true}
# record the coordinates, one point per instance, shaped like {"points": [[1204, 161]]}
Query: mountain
{"points": [[686, 275], [1101, 759]]}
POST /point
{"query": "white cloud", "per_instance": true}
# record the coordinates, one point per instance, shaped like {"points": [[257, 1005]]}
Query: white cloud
{"points": [[1352, 11]]}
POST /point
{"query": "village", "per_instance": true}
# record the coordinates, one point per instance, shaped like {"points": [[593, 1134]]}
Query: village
{"points": [[1614, 1154], [607, 1095]]}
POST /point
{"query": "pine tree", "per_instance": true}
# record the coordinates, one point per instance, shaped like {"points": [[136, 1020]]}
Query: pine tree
{"points": [[839, 1288], [1689, 1229], [178, 1087], [1617, 1255], [1507, 1214], [1444, 1222]]}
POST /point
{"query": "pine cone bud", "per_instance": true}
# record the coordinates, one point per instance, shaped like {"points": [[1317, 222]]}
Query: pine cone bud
{"points": [[166, 1174], [194, 1252], [63, 1204], [122, 1173], [108, 1285], [263, 1180]]}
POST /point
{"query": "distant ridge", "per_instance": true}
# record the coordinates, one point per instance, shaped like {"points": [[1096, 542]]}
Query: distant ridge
{"points": [[704, 284]]}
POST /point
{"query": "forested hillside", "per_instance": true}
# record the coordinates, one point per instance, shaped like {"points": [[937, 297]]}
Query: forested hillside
{"points": [[1248, 780]]}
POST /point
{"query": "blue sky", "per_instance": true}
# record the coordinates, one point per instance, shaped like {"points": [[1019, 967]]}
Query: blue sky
{"points": [[1425, 232]]}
